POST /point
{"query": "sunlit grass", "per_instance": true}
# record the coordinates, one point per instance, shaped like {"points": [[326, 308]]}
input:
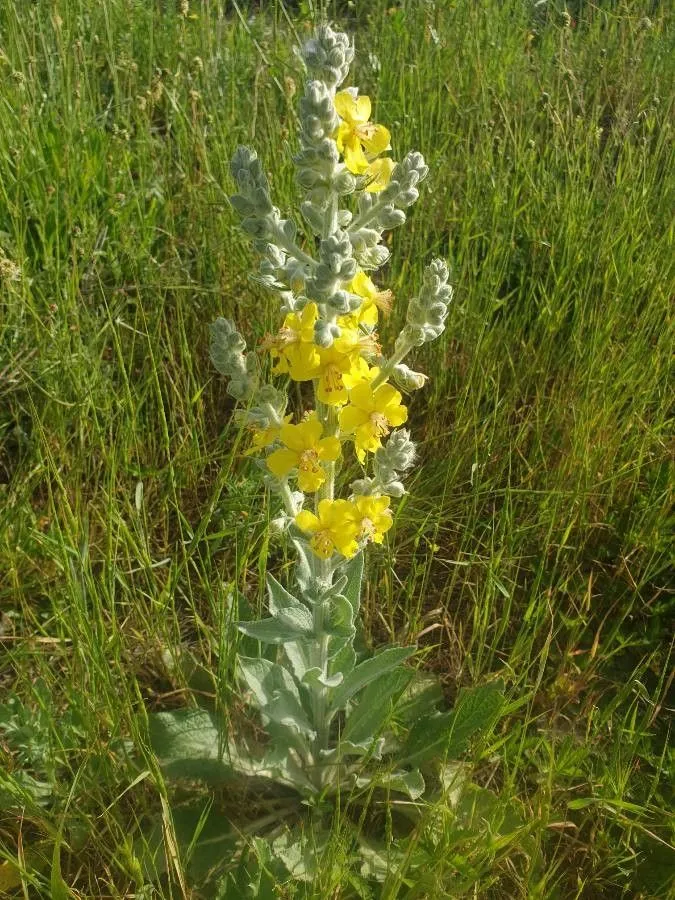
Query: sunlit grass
{"points": [[535, 540]]}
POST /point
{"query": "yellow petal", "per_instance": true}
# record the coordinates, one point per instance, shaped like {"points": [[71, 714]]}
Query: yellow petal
{"points": [[328, 448], [311, 481], [366, 439], [281, 462], [348, 547], [354, 157], [358, 373], [301, 437], [351, 417], [309, 315], [302, 361], [344, 105], [385, 395], [378, 174], [331, 396], [345, 133], [362, 397], [362, 285], [361, 109], [307, 521], [375, 138], [368, 314], [322, 545], [397, 415]]}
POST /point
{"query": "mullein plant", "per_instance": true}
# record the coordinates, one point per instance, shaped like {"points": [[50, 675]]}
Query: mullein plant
{"points": [[339, 722]]}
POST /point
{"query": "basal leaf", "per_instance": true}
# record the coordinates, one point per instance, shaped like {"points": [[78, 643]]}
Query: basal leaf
{"points": [[189, 744], [421, 699], [410, 783], [448, 734]]}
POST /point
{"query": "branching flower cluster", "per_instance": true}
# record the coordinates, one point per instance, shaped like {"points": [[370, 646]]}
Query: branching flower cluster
{"points": [[328, 336]]}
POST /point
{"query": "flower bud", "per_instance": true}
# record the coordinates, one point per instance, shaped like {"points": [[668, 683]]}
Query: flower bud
{"points": [[398, 453], [408, 380], [325, 332], [344, 183]]}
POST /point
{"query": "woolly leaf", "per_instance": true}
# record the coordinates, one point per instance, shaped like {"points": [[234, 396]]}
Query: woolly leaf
{"points": [[375, 706], [368, 671], [189, 744], [270, 631]]}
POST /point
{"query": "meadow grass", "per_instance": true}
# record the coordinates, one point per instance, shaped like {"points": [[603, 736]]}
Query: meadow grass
{"points": [[535, 538]]}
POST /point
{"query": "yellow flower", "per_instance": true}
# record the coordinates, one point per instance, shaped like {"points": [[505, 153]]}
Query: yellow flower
{"points": [[378, 174], [304, 449], [341, 368], [370, 415], [263, 437], [373, 300], [373, 517], [333, 529], [294, 345], [358, 140]]}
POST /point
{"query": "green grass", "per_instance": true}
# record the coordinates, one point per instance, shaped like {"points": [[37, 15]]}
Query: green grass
{"points": [[535, 540]]}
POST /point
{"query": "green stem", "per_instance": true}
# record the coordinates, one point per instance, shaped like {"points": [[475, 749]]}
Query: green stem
{"points": [[388, 367], [292, 248], [287, 497]]}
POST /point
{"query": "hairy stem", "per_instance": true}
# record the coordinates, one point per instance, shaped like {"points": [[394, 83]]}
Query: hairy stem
{"points": [[388, 367]]}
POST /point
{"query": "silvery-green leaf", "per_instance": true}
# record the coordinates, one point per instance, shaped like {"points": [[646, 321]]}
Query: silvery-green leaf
{"points": [[286, 709], [299, 853], [316, 676], [368, 671], [448, 734], [339, 585], [340, 616], [341, 656], [279, 597], [276, 693], [375, 705], [453, 776], [270, 631], [189, 744], [353, 570], [410, 783], [304, 574], [297, 653], [371, 748], [298, 618], [265, 678]]}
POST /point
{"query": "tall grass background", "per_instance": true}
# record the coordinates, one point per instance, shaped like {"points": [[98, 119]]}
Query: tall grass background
{"points": [[535, 539]]}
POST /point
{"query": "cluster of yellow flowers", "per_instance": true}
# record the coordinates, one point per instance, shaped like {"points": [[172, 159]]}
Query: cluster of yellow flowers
{"points": [[341, 524], [364, 407]]}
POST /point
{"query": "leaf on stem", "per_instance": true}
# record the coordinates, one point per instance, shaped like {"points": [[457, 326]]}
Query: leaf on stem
{"points": [[368, 671], [375, 706], [276, 693]]}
